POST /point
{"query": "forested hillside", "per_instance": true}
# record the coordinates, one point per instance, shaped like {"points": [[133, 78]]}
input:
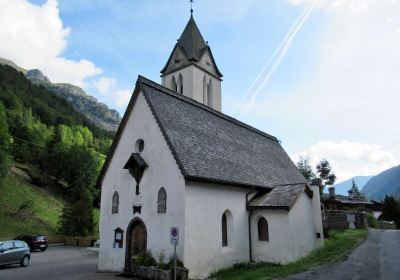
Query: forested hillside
{"points": [[97, 112], [60, 149], [385, 183]]}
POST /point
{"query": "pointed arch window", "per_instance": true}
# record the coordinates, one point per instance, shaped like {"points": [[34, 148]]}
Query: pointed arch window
{"points": [[224, 231], [180, 84], [263, 229], [115, 203], [205, 99], [174, 86], [209, 94], [162, 201]]}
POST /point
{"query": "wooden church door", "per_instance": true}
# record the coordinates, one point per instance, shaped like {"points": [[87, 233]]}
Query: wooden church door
{"points": [[138, 239]]}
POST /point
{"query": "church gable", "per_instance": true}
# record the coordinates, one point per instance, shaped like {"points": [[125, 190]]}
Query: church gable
{"points": [[207, 63], [177, 60]]}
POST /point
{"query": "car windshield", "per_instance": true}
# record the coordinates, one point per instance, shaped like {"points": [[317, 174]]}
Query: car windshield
{"points": [[1, 244]]}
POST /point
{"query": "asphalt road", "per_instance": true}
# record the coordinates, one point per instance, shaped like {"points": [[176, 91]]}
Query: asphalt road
{"points": [[378, 257], [58, 262]]}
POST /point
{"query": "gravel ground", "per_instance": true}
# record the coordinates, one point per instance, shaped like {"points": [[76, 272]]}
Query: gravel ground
{"points": [[59, 262], [378, 257]]}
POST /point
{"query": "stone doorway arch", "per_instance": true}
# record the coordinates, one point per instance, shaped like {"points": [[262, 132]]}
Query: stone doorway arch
{"points": [[136, 242]]}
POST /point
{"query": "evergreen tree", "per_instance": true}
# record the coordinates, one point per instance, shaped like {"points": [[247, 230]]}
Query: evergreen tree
{"points": [[77, 217], [354, 192], [305, 168], [391, 210]]}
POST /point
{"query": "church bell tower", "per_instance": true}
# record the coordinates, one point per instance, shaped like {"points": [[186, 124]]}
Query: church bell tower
{"points": [[191, 69]]}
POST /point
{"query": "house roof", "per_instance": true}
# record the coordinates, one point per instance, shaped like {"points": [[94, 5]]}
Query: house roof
{"points": [[193, 46], [280, 197], [210, 146], [343, 199]]}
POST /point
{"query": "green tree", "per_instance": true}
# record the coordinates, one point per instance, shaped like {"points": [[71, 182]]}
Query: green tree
{"points": [[391, 210], [324, 174], [4, 143], [354, 192], [305, 168], [77, 217]]}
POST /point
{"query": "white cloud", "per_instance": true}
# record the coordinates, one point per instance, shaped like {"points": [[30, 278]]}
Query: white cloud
{"points": [[122, 98], [34, 37], [109, 92], [349, 159], [104, 84]]}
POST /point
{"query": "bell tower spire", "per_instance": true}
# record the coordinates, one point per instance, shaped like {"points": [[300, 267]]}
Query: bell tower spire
{"points": [[191, 69]]}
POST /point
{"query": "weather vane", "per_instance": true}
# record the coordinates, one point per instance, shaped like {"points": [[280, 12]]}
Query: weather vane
{"points": [[191, 6]]}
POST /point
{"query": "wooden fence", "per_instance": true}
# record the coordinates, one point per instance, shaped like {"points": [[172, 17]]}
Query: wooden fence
{"points": [[86, 241]]}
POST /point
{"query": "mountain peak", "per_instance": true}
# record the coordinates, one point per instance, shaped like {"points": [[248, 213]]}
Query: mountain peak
{"points": [[35, 75]]}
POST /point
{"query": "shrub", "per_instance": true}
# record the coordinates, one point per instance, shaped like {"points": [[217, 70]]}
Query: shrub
{"points": [[145, 259], [372, 221]]}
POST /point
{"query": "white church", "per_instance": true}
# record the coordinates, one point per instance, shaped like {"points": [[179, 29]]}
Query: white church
{"points": [[177, 160]]}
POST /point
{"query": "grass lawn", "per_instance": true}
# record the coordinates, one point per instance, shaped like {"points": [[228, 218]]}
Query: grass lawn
{"points": [[28, 209], [337, 246]]}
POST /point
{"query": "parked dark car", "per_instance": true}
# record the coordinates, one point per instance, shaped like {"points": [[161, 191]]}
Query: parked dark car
{"points": [[14, 251], [35, 242]]}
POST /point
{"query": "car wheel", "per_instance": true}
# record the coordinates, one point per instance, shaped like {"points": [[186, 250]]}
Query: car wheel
{"points": [[43, 249], [25, 261]]}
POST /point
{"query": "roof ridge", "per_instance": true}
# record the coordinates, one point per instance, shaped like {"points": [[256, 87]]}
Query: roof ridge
{"points": [[142, 79]]}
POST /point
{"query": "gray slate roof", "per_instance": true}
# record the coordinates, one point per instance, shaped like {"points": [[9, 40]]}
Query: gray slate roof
{"points": [[191, 41], [193, 45], [344, 199], [279, 197], [210, 146]]}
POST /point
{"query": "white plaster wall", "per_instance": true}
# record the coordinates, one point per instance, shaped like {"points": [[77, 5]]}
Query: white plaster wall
{"points": [[317, 215], [205, 204], [162, 172], [193, 84], [302, 228], [278, 248]]}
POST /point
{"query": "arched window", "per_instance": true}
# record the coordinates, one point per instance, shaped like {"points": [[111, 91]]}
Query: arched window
{"points": [[263, 229], [209, 94], [174, 86], [162, 201], [180, 84], [224, 231], [205, 101], [115, 203]]}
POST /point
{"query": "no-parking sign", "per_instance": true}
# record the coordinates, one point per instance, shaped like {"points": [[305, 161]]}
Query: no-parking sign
{"points": [[174, 235]]}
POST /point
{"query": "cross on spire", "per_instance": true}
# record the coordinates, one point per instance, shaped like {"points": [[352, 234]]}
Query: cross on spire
{"points": [[191, 6]]}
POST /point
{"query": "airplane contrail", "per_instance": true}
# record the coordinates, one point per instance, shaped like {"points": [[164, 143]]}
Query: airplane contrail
{"points": [[271, 59], [281, 56]]}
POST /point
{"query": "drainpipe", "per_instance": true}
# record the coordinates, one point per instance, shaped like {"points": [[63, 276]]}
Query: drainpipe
{"points": [[249, 223]]}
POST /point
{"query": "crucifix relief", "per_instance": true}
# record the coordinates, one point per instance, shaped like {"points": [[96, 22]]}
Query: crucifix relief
{"points": [[136, 166]]}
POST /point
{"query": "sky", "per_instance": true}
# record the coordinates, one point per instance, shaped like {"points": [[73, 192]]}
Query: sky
{"points": [[331, 85]]}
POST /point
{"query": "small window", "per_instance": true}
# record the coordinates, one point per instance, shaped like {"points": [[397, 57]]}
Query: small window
{"points": [[263, 229], [224, 231], [139, 145], [115, 203], [162, 201]]}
